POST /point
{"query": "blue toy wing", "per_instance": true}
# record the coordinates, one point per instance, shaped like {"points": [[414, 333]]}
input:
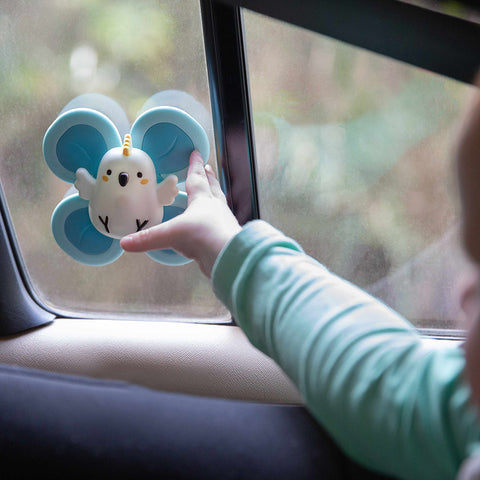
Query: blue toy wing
{"points": [[76, 235], [169, 135], [78, 138], [168, 256]]}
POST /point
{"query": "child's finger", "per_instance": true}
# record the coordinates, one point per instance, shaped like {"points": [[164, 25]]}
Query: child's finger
{"points": [[214, 184], [197, 182], [154, 238]]}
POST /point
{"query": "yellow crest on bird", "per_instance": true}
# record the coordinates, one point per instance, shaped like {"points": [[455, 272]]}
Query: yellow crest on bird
{"points": [[127, 145]]}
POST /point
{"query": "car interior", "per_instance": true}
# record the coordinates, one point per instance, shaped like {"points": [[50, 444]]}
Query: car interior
{"points": [[333, 121]]}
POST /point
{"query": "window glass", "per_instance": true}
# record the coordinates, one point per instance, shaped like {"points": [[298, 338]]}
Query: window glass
{"points": [[354, 161], [52, 51]]}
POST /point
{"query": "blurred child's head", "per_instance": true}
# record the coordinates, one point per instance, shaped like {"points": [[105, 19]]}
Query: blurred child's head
{"points": [[468, 165]]}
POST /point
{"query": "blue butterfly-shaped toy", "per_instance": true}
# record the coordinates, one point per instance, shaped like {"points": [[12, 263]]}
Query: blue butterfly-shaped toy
{"points": [[121, 187]]}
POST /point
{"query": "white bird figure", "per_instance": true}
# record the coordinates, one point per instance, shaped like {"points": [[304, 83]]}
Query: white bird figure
{"points": [[121, 188], [125, 196]]}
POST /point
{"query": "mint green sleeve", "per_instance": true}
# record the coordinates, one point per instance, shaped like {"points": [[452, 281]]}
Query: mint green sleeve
{"points": [[390, 402]]}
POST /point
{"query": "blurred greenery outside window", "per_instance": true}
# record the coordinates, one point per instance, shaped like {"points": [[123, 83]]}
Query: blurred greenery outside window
{"points": [[50, 52], [453, 8], [354, 161], [353, 152]]}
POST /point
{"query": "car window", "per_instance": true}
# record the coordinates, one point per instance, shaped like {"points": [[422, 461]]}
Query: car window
{"points": [[50, 52], [353, 157]]}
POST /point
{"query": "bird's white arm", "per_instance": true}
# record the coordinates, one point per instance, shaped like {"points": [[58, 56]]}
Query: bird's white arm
{"points": [[167, 190], [84, 183]]}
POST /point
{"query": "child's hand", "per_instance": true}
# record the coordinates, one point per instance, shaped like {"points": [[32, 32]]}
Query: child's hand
{"points": [[201, 231]]}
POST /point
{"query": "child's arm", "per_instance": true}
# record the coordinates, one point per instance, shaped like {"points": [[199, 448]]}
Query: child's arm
{"points": [[363, 371], [391, 403]]}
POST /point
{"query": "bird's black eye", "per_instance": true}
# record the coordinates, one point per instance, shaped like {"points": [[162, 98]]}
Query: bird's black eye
{"points": [[139, 174], [109, 172]]}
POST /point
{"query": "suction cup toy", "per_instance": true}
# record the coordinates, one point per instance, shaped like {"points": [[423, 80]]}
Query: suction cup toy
{"points": [[121, 187]]}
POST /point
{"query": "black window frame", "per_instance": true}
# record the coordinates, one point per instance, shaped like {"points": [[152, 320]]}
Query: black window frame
{"points": [[437, 42]]}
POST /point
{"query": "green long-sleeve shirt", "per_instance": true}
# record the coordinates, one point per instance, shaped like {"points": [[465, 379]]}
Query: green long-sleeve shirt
{"points": [[391, 402]]}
